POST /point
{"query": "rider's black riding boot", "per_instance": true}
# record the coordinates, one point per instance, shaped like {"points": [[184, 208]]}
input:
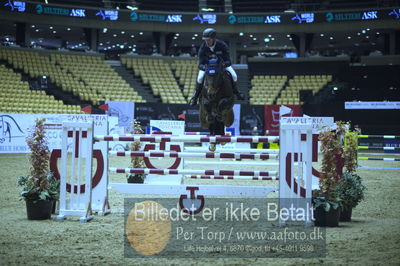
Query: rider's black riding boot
{"points": [[196, 95], [236, 91]]}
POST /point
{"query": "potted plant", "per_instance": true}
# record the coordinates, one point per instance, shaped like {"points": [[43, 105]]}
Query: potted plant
{"points": [[39, 189], [136, 162], [350, 188], [325, 200], [351, 191], [326, 209]]}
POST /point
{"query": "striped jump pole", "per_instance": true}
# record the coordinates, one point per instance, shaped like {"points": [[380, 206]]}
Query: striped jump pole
{"points": [[233, 177], [378, 159], [378, 137], [158, 171], [185, 138], [379, 148], [232, 163], [199, 149], [216, 155]]}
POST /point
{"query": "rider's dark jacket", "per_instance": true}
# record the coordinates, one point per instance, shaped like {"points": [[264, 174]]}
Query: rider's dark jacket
{"points": [[221, 50]]}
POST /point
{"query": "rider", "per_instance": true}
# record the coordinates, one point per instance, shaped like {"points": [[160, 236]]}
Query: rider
{"points": [[211, 47]]}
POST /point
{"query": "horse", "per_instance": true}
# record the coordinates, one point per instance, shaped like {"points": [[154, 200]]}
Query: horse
{"points": [[216, 101]]}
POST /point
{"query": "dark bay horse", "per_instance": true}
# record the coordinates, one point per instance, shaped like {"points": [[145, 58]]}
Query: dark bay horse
{"points": [[216, 101]]}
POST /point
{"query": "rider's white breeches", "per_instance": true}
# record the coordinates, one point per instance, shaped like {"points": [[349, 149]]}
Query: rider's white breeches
{"points": [[233, 73], [200, 76]]}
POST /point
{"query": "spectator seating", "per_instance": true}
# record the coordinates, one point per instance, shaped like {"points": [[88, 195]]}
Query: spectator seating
{"points": [[99, 82], [158, 75], [186, 71], [88, 77], [265, 89], [291, 93], [17, 97]]}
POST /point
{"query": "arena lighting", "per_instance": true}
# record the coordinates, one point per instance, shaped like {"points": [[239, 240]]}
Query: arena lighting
{"points": [[132, 36], [141, 33], [241, 34], [251, 35], [46, 2], [331, 38], [105, 30], [266, 40], [133, 8], [289, 11], [122, 32], [207, 9], [51, 27], [322, 35], [32, 26], [254, 39], [348, 37], [68, 29]]}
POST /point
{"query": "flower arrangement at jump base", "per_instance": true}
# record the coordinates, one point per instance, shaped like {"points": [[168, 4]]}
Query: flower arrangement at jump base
{"points": [[326, 202], [39, 189], [136, 162], [338, 193], [350, 188]]}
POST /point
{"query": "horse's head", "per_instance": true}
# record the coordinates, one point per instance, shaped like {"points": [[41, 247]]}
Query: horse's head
{"points": [[213, 77]]}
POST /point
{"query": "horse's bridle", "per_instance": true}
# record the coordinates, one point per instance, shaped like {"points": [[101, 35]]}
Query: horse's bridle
{"points": [[217, 82]]}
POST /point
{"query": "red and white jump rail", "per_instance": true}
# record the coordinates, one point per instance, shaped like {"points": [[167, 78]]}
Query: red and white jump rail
{"points": [[202, 149], [190, 172], [184, 138], [222, 177], [212, 155]]}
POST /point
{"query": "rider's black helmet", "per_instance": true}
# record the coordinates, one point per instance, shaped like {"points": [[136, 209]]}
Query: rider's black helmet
{"points": [[209, 33]]}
